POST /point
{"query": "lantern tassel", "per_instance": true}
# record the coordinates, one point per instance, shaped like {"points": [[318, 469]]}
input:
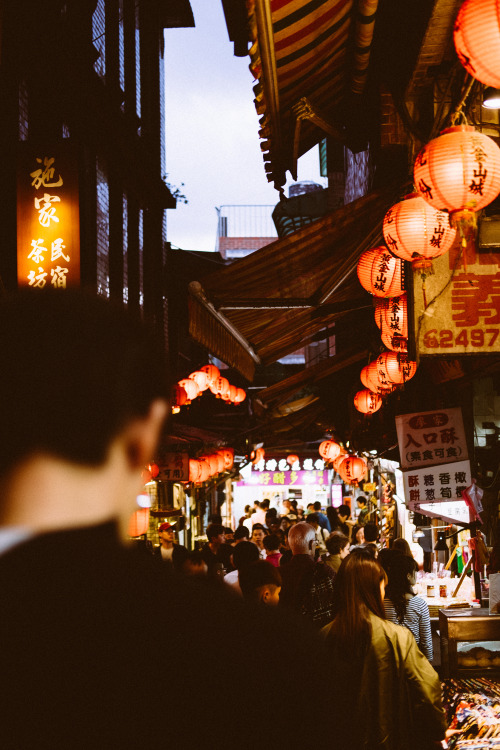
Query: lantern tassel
{"points": [[466, 223]]}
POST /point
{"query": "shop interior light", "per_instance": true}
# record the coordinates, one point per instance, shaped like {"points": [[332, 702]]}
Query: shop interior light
{"points": [[418, 534], [491, 99]]}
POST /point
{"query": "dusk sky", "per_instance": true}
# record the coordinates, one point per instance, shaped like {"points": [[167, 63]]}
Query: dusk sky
{"points": [[212, 142]]}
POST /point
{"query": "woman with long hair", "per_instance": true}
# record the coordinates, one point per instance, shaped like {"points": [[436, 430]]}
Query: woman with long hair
{"points": [[386, 695], [401, 604]]}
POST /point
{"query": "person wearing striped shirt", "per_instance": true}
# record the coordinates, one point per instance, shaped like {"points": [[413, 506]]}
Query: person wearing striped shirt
{"points": [[401, 605]]}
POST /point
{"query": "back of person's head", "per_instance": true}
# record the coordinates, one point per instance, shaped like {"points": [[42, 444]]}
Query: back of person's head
{"points": [[214, 530], [401, 545], [260, 582], [336, 542], [77, 370], [317, 505], [301, 538], [265, 504], [241, 532], [271, 543], [357, 595], [400, 571], [245, 553], [371, 532], [313, 519], [361, 500], [193, 564], [344, 510]]}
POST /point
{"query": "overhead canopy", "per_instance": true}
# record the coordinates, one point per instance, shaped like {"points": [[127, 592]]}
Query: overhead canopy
{"points": [[277, 300], [307, 57]]}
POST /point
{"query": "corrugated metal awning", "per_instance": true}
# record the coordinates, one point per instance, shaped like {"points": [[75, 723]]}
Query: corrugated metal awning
{"points": [[306, 57], [275, 301]]}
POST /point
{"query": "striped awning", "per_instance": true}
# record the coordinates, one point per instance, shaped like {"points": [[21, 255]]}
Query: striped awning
{"points": [[307, 55]]}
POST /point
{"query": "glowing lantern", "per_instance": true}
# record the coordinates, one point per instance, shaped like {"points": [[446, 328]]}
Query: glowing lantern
{"points": [[394, 368], [201, 379], [179, 398], [459, 171], [370, 379], [329, 450], [190, 387], [380, 272], [477, 40], [231, 396], [259, 455], [212, 462], [367, 402], [394, 342], [417, 232], [228, 454], [336, 464], [146, 475], [139, 522], [292, 459], [220, 462], [394, 318], [353, 469], [220, 387], [240, 396], [195, 470], [212, 371], [154, 469]]}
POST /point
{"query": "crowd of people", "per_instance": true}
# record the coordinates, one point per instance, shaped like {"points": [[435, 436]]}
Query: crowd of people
{"points": [[105, 646]]}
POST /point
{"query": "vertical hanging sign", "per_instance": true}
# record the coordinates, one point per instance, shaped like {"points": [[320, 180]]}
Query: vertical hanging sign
{"points": [[48, 216]]}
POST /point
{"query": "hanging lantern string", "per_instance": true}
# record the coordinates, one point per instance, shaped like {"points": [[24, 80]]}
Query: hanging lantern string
{"points": [[438, 295], [458, 117]]}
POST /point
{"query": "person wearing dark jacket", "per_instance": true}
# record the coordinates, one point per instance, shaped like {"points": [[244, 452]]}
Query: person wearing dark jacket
{"points": [[168, 551], [386, 695]]}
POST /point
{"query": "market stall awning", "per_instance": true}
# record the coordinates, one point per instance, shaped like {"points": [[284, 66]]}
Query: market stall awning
{"points": [[273, 302], [307, 58]]}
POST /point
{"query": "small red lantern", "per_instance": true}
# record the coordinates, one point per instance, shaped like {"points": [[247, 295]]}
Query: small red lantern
{"points": [[231, 396], [329, 450], [213, 463], [394, 342], [394, 318], [477, 40], [259, 455], [212, 371], [380, 272], [292, 459], [179, 397], [220, 387], [154, 469], [195, 470], [139, 522], [394, 368], [240, 396], [415, 231], [367, 402], [353, 469], [459, 170], [337, 462], [190, 387], [228, 458], [370, 379], [201, 379]]}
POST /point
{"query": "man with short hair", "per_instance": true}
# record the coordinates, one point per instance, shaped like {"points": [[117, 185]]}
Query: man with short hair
{"points": [[85, 618], [258, 535], [261, 583], [322, 518], [241, 534], [216, 553], [168, 551], [307, 585], [364, 511]]}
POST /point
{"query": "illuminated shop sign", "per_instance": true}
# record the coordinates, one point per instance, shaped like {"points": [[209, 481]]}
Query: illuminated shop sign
{"points": [[281, 464], [286, 478], [48, 217]]}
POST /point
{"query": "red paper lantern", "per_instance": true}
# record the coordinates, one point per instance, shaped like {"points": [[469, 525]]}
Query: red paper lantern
{"points": [[139, 522], [367, 402], [212, 371], [477, 40], [415, 231], [195, 470], [228, 454], [201, 379], [380, 272], [353, 469], [240, 396], [370, 379], [394, 368], [292, 459], [154, 469], [394, 342], [213, 463], [459, 170], [394, 318], [220, 387], [190, 387], [337, 462], [329, 450], [179, 398], [231, 396], [259, 455]]}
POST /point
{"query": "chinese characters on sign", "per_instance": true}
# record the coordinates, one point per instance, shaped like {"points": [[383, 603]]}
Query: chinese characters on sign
{"points": [[433, 437], [174, 467], [281, 464], [465, 316], [48, 222], [436, 491], [286, 478]]}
